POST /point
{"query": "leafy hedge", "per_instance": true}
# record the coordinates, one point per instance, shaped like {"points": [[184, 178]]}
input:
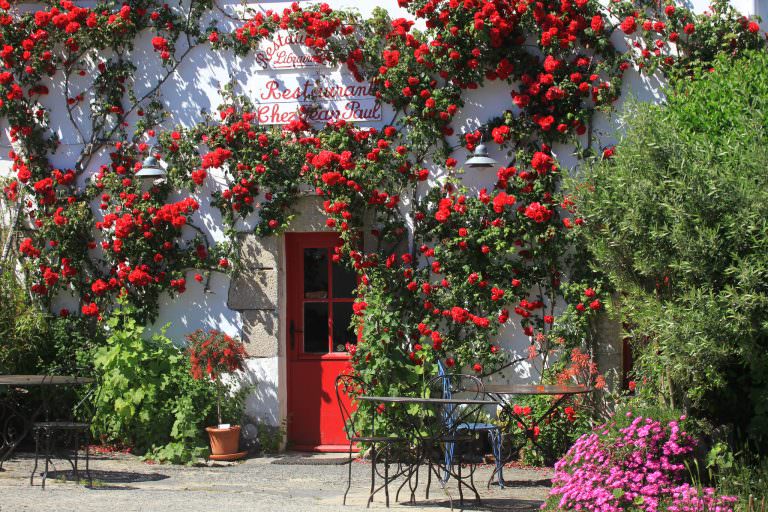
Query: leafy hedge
{"points": [[678, 218], [35, 341]]}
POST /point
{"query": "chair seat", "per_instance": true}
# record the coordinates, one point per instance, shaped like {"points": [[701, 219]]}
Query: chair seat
{"points": [[455, 437], [61, 425], [478, 426]]}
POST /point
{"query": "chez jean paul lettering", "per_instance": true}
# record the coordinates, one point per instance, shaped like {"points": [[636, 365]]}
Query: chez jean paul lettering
{"points": [[276, 113]]}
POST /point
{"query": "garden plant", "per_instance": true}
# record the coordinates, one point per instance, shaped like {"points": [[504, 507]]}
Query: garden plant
{"points": [[676, 219]]}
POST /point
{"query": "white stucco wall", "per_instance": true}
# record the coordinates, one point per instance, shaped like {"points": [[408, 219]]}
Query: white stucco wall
{"points": [[195, 86]]}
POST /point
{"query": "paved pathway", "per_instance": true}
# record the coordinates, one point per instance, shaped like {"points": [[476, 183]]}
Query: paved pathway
{"points": [[124, 483]]}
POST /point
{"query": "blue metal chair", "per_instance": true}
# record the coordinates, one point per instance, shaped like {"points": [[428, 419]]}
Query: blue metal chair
{"points": [[494, 435]]}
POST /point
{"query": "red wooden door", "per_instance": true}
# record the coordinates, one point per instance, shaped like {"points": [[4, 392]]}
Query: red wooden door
{"points": [[319, 307]]}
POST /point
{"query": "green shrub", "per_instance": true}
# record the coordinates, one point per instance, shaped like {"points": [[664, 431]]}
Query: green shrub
{"points": [[148, 399], [37, 342], [741, 472], [678, 218]]}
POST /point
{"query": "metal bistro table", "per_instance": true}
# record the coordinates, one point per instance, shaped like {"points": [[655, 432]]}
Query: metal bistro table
{"points": [[504, 394], [420, 432], [16, 424]]}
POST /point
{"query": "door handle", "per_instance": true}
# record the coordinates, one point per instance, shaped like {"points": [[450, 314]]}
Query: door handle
{"points": [[292, 334]]}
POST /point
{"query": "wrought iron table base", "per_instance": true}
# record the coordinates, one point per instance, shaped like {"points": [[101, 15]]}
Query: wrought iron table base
{"points": [[15, 427], [419, 450], [508, 409]]}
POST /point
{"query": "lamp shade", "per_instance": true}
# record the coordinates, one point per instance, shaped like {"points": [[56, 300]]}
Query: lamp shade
{"points": [[480, 158], [150, 169]]}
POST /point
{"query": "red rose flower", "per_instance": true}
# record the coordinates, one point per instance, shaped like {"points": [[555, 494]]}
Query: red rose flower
{"points": [[597, 23], [538, 212], [629, 25]]}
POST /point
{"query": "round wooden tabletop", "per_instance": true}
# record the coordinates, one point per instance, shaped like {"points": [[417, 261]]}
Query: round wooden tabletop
{"points": [[420, 400], [42, 380], [531, 389]]}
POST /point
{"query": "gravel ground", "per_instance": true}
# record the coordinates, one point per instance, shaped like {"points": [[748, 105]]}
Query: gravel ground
{"points": [[125, 483]]}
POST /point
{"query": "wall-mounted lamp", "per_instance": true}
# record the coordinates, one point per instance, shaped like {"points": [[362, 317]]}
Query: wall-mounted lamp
{"points": [[150, 169], [480, 158]]}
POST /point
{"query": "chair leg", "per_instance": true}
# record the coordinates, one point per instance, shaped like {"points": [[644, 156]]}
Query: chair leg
{"points": [[349, 475], [409, 473], [88, 457], [413, 484], [77, 450], [47, 454], [472, 482], [386, 474], [405, 481], [37, 454], [429, 478], [458, 458], [494, 436], [374, 456], [400, 487]]}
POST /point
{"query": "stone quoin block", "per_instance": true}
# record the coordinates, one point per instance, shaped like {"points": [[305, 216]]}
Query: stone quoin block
{"points": [[253, 289], [609, 353], [257, 252], [309, 216], [260, 333]]}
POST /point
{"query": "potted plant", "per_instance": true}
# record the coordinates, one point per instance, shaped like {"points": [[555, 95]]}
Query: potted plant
{"points": [[213, 354]]}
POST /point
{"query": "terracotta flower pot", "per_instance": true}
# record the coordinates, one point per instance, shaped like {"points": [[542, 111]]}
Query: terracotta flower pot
{"points": [[225, 443]]}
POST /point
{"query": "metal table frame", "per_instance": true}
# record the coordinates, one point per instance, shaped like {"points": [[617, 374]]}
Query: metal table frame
{"points": [[504, 394], [418, 435]]}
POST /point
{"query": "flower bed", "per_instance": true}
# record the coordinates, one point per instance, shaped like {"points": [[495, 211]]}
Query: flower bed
{"points": [[635, 467]]}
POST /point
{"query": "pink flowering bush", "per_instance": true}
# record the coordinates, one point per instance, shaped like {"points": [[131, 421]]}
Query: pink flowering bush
{"points": [[636, 467]]}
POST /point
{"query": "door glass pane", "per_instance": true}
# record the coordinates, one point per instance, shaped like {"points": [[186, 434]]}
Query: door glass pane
{"points": [[342, 332], [316, 327], [344, 281], [316, 273]]}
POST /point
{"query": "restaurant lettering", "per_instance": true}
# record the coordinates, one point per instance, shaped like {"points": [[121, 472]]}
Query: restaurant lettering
{"points": [[319, 102]]}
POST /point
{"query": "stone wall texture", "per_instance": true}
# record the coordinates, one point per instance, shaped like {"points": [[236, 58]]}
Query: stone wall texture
{"points": [[256, 290]]}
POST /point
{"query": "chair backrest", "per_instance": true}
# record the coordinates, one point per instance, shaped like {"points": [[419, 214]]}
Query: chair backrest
{"points": [[453, 385], [348, 387], [85, 409]]}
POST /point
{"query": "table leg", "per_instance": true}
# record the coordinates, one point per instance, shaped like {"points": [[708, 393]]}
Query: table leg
{"points": [[374, 456]]}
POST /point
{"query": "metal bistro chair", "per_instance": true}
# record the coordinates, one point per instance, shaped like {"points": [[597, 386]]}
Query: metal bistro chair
{"points": [[348, 387], [454, 433], [494, 432], [77, 428]]}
